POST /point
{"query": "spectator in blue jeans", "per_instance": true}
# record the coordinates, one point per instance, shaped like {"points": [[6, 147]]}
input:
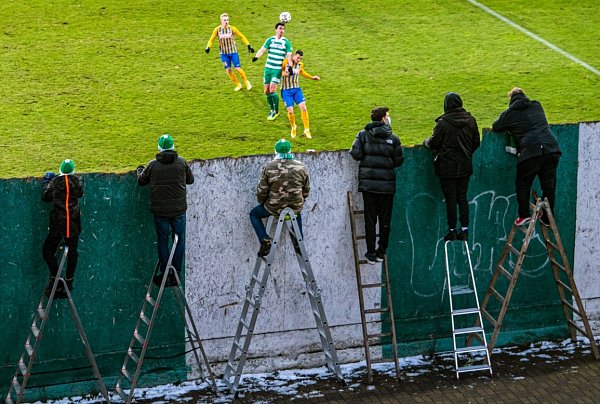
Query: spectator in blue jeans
{"points": [[167, 176]]}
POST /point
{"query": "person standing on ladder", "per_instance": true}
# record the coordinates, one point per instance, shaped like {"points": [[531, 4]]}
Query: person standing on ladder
{"points": [[64, 192], [167, 176], [379, 152], [284, 182], [537, 149], [454, 139]]}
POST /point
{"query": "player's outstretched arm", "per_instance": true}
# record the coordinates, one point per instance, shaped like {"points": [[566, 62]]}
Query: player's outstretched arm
{"points": [[260, 52], [212, 38]]}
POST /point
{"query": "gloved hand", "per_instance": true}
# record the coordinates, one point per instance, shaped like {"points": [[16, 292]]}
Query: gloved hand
{"points": [[254, 59], [207, 50], [250, 48], [48, 176]]}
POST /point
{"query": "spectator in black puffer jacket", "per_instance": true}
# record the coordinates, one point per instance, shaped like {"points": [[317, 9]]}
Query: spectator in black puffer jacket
{"points": [[379, 151], [537, 149], [454, 139], [168, 176]]}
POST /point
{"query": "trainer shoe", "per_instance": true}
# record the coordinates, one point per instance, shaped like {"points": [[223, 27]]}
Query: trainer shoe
{"points": [[238, 87], [248, 85], [293, 132], [271, 116], [157, 279], [171, 280], [275, 115], [371, 259], [265, 247], [307, 133], [379, 257], [451, 236], [463, 235], [521, 221]]}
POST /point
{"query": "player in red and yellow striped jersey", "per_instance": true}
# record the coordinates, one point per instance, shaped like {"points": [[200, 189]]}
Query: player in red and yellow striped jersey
{"points": [[292, 93], [228, 50]]}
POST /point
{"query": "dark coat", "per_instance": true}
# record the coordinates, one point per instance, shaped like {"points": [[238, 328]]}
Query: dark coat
{"points": [[454, 139], [167, 175], [526, 122], [379, 151], [64, 192]]}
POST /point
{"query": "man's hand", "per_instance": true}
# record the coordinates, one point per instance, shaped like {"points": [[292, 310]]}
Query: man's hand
{"points": [[48, 177], [250, 48], [254, 59], [207, 50]]}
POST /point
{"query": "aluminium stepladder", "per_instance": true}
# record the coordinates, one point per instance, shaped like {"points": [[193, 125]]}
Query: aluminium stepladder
{"points": [[467, 358], [146, 320], [384, 283], [255, 292], [40, 317], [560, 269]]}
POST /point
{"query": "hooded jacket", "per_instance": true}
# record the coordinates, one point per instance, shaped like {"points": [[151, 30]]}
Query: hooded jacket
{"points": [[167, 175], [454, 139], [379, 151], [526, 122], [64, 192]]}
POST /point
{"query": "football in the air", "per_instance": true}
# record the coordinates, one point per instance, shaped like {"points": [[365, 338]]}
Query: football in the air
{"points": [[285, 17]]}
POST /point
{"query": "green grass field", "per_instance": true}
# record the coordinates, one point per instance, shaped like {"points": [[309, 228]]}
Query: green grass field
{"points": [[99, 81]]}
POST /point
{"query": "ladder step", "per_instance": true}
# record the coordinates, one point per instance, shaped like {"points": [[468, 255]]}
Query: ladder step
{"points": [[473, 368], [228, 384], [121, 393], [468, 330], [35, 331], [139, 337], [40, 312], [581, 330], [373, 285], [250, 302], [238, 346], [380, 335], [373, 311], [359, 212], [133, 355], [556, 263], [461, 312], [513, 249], [126, 373], [461, 290], [28, 348], [245, 324], [497, 295], [16, 386], [551, 244], [150, 300], [489, 317], [504, 272], [144, 318], [576, 311], [22, 367], [470, 349], [564, 285]]}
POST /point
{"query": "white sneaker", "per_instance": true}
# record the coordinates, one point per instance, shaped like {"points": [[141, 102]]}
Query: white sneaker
{"points": [[238, 87], [248, 85], [293, 132], [307, 133]]}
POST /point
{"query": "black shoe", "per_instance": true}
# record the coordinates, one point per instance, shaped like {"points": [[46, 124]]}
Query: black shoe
{"points": [[171, 280], [371, 259], [157, 279], [379, 257], [451, 236], [265, 247], [463, 235]]}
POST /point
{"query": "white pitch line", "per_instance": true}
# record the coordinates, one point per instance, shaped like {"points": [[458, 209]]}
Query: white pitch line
{"points": [[536, 37]]}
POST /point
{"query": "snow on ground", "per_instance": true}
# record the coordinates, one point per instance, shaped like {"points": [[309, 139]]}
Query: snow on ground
{"points": [[295, 383]]}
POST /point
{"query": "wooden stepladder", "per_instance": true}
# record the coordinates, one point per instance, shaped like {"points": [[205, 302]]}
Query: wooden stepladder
{"points": [[255, 292], [561, 269], [138, 346], [40, 318], [372, 339]]}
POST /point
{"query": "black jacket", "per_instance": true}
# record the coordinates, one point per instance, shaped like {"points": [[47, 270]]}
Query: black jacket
{"points": [[64, 192], [379, 152], [167, 176], [454, 139], [526, 122]]}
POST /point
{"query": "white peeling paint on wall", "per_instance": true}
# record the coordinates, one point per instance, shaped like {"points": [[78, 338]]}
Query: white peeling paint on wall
{"points": [[587, 233], [221, 252]]}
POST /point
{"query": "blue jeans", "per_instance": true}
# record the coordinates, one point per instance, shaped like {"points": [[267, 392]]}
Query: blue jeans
{"points": [[177, 226], [257, 214]]}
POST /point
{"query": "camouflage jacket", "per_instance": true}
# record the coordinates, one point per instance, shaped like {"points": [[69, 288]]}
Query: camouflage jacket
{"points": [[283, 183]]}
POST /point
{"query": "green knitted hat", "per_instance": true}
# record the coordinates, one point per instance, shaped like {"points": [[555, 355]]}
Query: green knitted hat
{"points": [[165, 142], [283, 146], [67, 167]]}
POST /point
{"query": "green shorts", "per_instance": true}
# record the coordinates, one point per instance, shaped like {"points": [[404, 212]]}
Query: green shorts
{"points": [[271, 76]]}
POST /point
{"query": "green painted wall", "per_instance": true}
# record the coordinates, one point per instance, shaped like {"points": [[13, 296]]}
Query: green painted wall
{"points": [[416, 253], [116, 257]]}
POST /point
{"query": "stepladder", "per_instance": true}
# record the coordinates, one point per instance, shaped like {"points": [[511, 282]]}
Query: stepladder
{"points": [[510, 264], [464, 308], [32, 344], [371, 281], [255, 291], [130, 372]]}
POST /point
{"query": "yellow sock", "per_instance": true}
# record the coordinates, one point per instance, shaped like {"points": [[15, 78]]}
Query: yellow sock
{"points": [[233, 78], [292, 118], [305, 120], [242, 74]]}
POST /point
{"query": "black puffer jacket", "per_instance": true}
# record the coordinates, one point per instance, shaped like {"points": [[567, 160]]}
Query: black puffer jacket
{"points": [[167, 176], [379, 151], [64, 192], [454, 139], [526, 122]]}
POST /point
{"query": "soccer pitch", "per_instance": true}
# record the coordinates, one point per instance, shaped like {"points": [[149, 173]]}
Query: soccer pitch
{"points": [[99, 81]]}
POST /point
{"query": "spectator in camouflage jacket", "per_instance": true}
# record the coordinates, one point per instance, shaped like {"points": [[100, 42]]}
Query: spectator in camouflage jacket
{"points": [[284, 182]]}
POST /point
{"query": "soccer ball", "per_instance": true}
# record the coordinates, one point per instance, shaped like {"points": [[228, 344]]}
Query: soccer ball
{"points": [[285, 17]]}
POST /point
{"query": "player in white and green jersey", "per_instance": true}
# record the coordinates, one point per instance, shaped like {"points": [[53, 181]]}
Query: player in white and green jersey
{"points": [[279, 48]]}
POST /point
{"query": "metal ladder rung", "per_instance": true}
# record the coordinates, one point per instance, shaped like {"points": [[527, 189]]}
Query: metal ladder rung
{"points": [[238, 346], [35, 331], [504, 272], [573, 324], [126, 373], [151, 300], [576, 311], [555, 262], [245, 324], [374, 311], [40, 312], [467, 349], [462, 312], [133, 355], [373, 285], [144, 318], [564, 285], [489, 317], [139, 337], [16, 386], [251, 302], [497, 295], [473, 368], [121, 393], [29, 349], [22, 368], [468, 330], [228, 383], [461, 290]]}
